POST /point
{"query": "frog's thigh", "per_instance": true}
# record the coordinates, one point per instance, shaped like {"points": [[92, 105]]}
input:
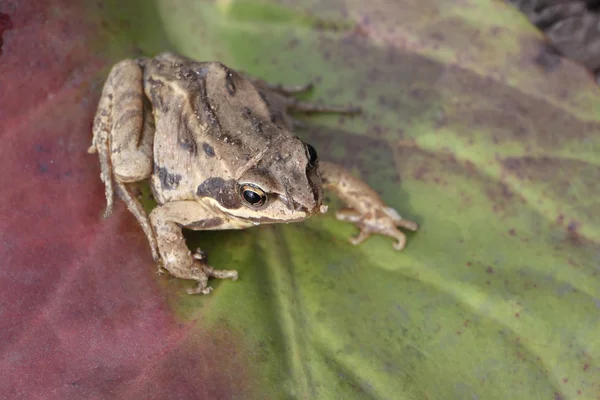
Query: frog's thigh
{"points": [[132, 132]]}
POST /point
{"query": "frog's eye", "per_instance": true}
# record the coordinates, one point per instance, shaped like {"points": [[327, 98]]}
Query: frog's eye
{"points": [[311, 153], [253, 195]]}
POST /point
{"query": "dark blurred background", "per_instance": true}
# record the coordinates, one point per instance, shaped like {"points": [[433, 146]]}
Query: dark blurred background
{"points": [[572, 28]]}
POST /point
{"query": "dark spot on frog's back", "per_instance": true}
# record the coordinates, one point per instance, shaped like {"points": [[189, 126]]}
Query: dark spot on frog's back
{"points": [[168, 181], [158, 101], [225, 192], [229, 83], [208, 149], [185, 137], [188, 145]]}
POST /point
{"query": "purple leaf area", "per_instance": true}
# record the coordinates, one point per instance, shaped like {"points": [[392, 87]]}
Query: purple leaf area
{"points": [[81, 317]]}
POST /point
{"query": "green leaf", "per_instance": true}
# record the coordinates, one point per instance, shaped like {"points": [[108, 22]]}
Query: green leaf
{"points": [[495, 155]]}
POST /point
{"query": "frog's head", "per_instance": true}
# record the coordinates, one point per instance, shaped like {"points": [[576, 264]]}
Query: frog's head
{"points": [[281, 183]]}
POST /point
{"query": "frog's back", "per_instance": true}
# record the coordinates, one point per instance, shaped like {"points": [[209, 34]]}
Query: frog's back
{"points": [[210, 121]]}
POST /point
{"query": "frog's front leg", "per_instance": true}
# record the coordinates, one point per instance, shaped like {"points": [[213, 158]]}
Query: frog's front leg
{"points": [[367, 210], [176, 257]]}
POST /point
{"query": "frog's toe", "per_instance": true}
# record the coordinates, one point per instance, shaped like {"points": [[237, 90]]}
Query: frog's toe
{"points": [[380, 224], [220, 273], [292, 90], [109, 207], [200, 290], [361, 237], [400, 240], [202, 272]]}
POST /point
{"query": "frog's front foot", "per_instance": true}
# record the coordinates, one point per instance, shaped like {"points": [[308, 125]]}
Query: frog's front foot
{"points": [[383, 221], [201, 271], [198, 271]]}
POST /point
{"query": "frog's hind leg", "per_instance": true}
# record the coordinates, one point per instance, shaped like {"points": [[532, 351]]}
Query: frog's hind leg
{"points": [[135, 207], [123, 136], [132, 133], [100, 144], [131, 141]]}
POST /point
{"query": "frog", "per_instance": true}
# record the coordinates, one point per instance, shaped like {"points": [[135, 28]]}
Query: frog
{"points": [[219, 150]]}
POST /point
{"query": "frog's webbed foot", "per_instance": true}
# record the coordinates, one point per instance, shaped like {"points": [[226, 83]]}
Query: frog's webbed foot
{"points": [[383, 221], [365, 208], [201, 271]]}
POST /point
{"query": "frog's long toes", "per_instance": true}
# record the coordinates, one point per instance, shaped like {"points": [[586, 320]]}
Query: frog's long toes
{"points": [[292, 90], [361, 237], [108, 211], [410, 225], [220, 273], [200, 289], [399, 245]]}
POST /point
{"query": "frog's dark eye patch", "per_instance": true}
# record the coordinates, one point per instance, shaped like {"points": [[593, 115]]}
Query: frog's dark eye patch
{"points": [[253, 196]]}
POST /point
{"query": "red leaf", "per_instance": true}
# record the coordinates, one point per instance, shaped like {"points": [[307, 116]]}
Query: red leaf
{"points": [[73, 326]]}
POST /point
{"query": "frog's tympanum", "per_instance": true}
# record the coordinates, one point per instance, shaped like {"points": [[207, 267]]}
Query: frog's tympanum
{"points": [[219, 150]]}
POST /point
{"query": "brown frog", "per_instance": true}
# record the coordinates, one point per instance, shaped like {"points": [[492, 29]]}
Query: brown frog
{"points": [[219, 150]]}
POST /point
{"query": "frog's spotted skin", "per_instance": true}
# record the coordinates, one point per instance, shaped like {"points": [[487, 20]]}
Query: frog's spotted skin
{"points": [[219, 151]]}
